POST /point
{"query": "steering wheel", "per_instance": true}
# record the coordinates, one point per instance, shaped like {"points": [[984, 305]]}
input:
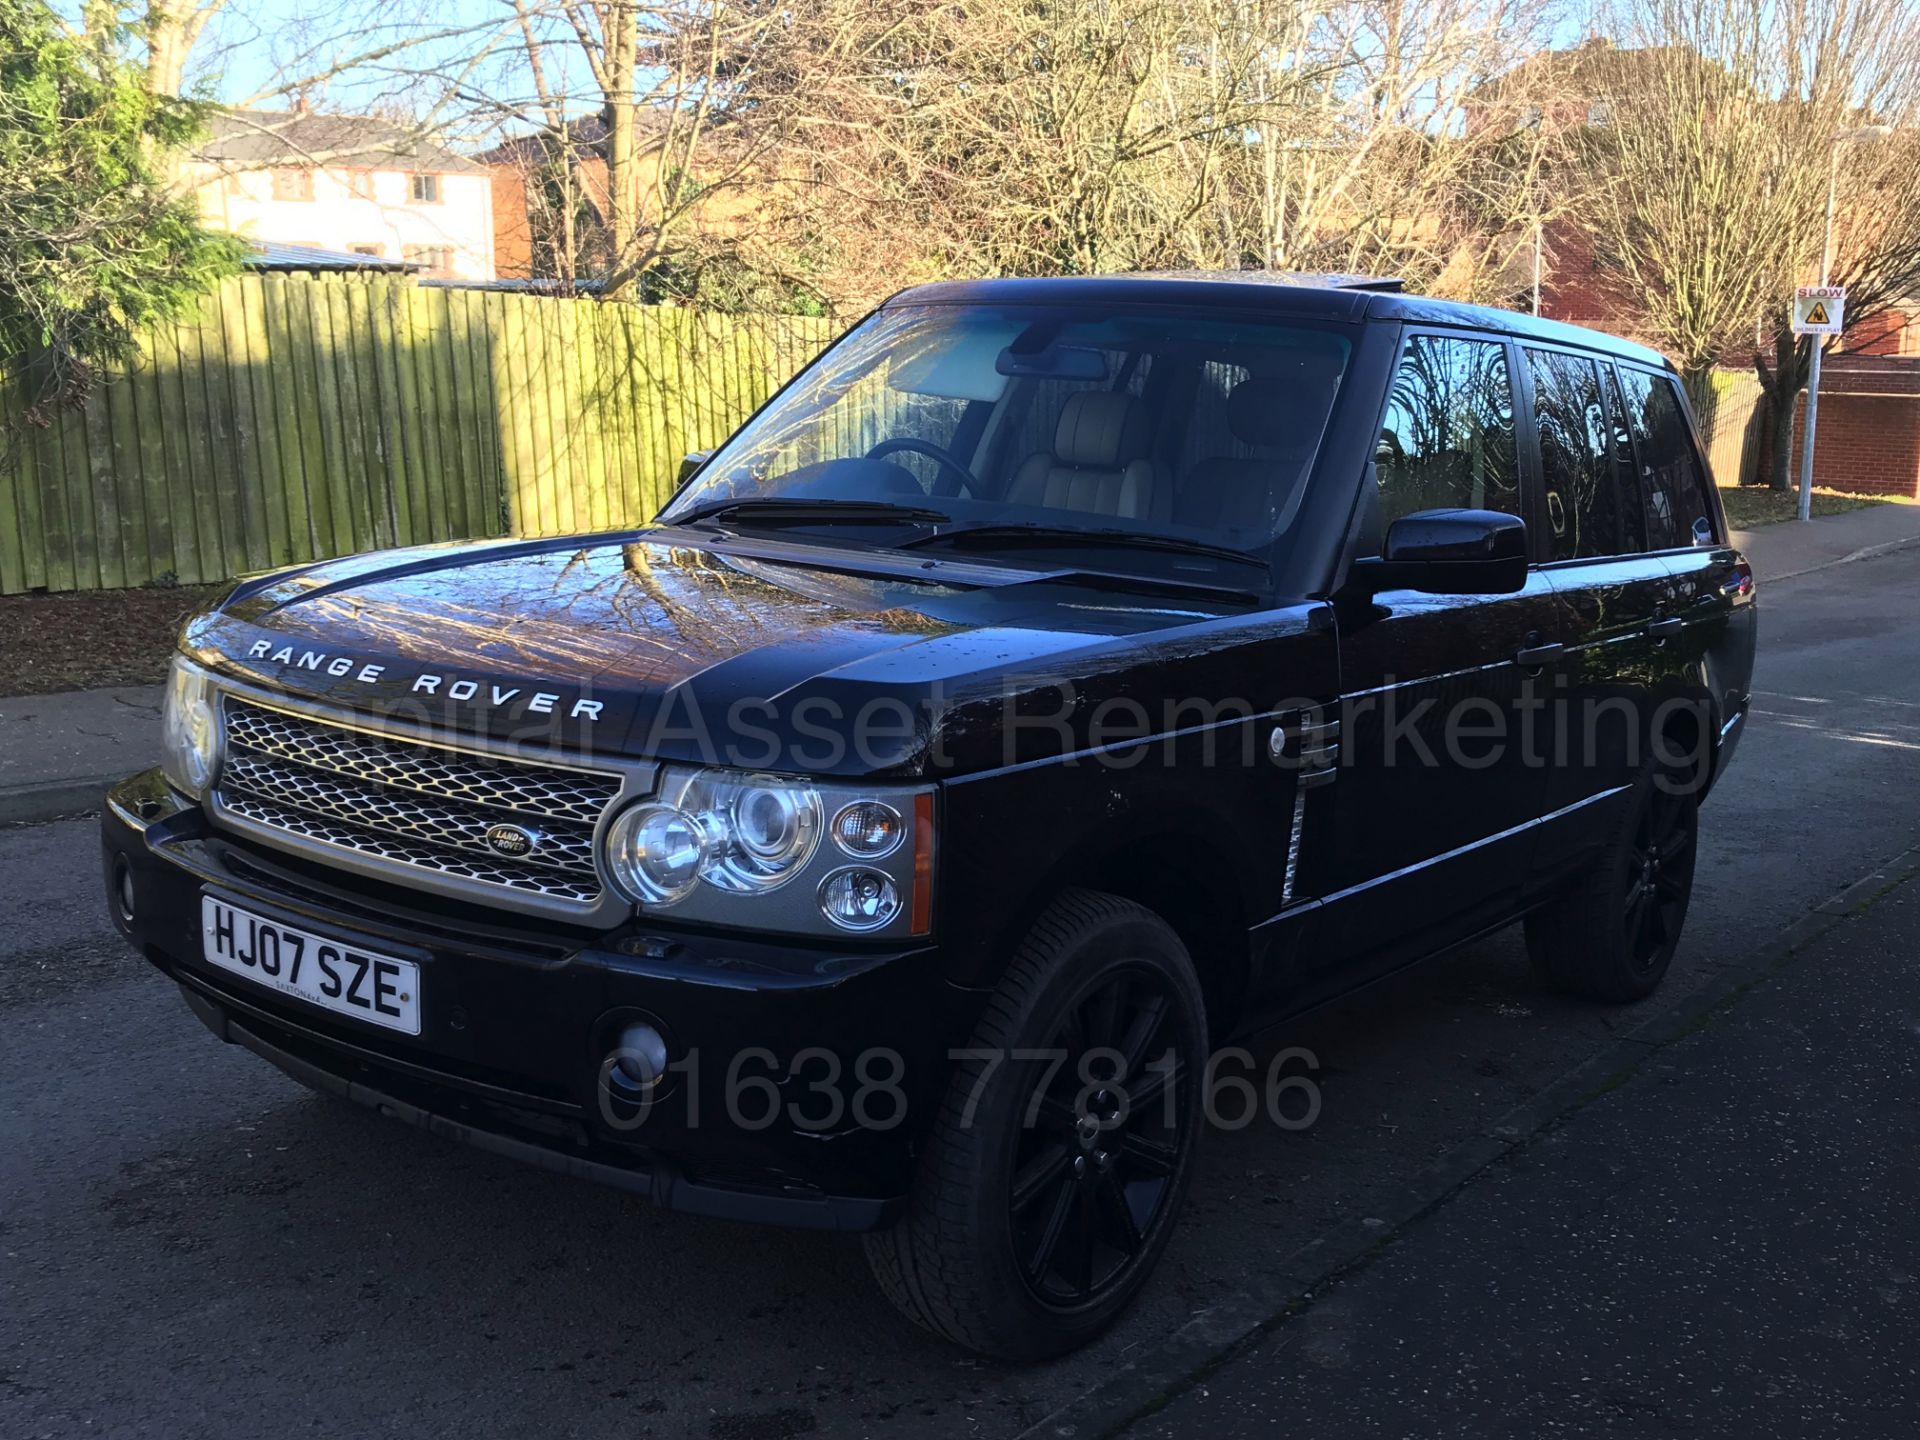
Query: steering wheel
{"points": [[944, 458]]}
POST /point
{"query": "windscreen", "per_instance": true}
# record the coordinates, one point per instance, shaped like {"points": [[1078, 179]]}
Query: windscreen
{"points": [[1170, 423]]}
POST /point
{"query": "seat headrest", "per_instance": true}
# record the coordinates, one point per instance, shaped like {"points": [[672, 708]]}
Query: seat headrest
{"points": [[1280, 410], [1101, 430]]}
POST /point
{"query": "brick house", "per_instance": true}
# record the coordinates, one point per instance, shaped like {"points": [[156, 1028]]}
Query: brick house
{"points": [[531, 194]]}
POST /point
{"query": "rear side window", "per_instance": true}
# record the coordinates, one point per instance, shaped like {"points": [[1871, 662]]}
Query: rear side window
{"points": [[1591, 509], [1678, 510], [1448, 435]]}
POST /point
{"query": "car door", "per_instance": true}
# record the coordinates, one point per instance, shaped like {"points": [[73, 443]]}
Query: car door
{"points": [[1434, 800], [1617, 598], [1708, 632]]}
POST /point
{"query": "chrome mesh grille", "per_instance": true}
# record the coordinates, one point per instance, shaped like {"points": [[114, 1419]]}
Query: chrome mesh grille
{"points": [[459, 775], [516, 876], [406, 803]]}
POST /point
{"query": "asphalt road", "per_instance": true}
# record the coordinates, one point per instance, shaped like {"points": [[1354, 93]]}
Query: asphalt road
{"points": [[191, 1243], [1722, 1246]]}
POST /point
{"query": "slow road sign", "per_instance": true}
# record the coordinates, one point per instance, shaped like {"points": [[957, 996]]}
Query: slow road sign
{"points": [[1818, 309]]}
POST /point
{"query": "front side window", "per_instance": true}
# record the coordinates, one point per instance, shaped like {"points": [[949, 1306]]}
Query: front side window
{"points": [[1590, 512], [1447, 440], [1675, 487], [1126, 424]]}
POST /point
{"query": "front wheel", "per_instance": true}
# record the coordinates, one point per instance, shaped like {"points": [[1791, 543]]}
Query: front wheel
{"points": [[1614, 934], [1064, 1143]]}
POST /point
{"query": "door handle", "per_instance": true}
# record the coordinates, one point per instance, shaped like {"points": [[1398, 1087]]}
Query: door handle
{"points": [[1532, 657], [1668, 625]]}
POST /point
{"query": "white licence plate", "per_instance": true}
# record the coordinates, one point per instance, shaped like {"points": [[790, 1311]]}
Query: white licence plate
{"points": [[378, 989]]}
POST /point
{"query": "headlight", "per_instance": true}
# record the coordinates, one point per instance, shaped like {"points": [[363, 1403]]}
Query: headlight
{"points": [[657, 852], [760, 851], [189, 729]]}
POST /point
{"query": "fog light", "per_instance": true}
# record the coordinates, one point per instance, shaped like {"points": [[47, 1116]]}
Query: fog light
{"points": [[123, 889], [859, 899], [640, 1056]]}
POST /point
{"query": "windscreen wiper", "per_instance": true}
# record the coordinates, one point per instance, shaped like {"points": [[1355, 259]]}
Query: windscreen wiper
{"points": [[998, 534], [803, 510]]}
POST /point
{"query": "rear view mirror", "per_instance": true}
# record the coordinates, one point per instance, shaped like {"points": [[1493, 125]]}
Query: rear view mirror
{"points": [[691, 462], [1059, 362], [1450, 552]]}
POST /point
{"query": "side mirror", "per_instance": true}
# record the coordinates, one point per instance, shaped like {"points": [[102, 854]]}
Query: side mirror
{"points": [[691, 462], [1449, 552]]}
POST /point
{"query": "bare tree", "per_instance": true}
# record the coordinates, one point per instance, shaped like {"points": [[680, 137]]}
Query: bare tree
{"points": [[172, 28], [1713, 174], [664, 115], [1378, 150], [1116, 134]]}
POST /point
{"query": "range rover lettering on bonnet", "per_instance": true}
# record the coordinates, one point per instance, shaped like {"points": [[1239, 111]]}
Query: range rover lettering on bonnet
{"points": [[491, 695]]}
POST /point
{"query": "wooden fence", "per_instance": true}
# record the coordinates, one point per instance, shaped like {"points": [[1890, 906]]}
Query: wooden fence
{"points": [[1730, 422], [299, 418]]}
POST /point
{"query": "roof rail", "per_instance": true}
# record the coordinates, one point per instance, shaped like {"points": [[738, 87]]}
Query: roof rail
{"points": [[1383, 284]]}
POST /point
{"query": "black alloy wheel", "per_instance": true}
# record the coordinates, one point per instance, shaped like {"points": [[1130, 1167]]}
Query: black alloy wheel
{"points": [[1612, 935], [1054, 1172], [1094, 1168], [1659, 877]]}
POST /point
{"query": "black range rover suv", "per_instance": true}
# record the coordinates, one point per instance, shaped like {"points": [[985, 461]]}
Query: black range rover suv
{"points": [[1054, 679]]}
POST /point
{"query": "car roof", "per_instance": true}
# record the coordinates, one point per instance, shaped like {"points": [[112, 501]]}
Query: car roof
{"points": [[1329, 297]]}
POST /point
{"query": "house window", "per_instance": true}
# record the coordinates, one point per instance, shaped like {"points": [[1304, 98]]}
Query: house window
{"points": [[366, 247], [435, 261], [1599, 112], [292, 184], [425, 189], [360, 183]]}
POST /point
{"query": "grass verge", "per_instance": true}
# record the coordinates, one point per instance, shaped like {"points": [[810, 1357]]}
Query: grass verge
{"points": [[1749, 506]]}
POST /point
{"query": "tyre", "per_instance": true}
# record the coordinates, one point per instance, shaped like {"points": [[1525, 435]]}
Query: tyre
{"points": [[1064, 1143], [1613, 935]]}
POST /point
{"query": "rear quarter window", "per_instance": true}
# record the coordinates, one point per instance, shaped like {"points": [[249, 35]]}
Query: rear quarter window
{"points": [[1679, 510]]}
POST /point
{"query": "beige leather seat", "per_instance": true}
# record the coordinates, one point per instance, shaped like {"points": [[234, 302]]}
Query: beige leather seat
{"points": [[1099, 463], [1245, 495]]}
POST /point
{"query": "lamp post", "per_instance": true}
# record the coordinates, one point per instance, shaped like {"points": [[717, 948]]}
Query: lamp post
{"points": [[1864, 132]]}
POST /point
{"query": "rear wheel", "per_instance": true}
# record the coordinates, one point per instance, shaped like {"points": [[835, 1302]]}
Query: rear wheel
{"points": [[1613, 936], [1063, 1147]]}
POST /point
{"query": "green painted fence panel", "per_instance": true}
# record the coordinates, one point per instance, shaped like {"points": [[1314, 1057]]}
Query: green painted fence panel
{"points": [[295, 418]]}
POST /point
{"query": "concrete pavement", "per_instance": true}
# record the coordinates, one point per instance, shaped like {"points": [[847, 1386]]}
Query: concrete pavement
{"points": [[59, 752], [1720, 1246], [1793, 547]]}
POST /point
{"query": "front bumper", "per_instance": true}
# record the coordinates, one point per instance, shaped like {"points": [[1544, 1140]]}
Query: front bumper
{"points": [[802, 1078]]}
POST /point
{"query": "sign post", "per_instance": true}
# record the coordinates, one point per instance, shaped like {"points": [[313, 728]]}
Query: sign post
{"points": [[1818, 310]]}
